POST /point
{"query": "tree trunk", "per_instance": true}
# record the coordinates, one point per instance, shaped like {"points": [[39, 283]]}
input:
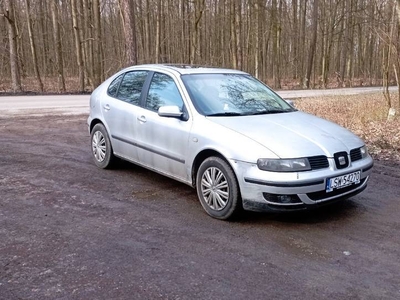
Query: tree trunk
{"points": [[313, 44], [158, 31], [350, 58], [33, 48], [274, 28], [387, 54], [97, 53], [128, 13], [78, 46], [147, 35], [87, 41], [195, 45], [238, 25], [58, 47], [397, 62], [12, 38], [294, 38], [44, 54], [233, 35], [257, 39], [398, 11], [302, 38], [371, 47]]}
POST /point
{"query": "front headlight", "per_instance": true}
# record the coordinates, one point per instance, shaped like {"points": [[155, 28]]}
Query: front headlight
{"points": [[364, 151], [284, 165]]}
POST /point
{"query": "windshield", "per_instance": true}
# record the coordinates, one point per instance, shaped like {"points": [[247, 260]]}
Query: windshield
{"points": [[232, 95]]}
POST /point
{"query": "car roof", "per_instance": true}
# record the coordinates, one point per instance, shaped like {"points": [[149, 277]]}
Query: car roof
{"points": [[187, 69]]}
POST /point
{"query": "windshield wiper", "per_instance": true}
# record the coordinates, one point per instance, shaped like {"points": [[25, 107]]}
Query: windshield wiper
{"points": [[266, 112], [223, 114]]}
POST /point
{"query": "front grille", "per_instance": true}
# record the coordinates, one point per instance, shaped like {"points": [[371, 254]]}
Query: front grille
{"points": [[323, 194], [355, 154], [341, 160], [318, 162]]}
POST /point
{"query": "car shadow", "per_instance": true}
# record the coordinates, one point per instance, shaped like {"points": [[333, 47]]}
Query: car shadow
{"points": [[341, 210], [333, 212]]}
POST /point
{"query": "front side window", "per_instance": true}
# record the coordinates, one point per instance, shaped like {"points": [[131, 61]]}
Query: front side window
{"points": [[131, 86], [162, 92], [232, 95]]}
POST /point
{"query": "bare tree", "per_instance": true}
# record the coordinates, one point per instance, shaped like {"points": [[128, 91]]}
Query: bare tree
{"points": [[397, 61], [12, 38], [128, 14], [233, 34], [57, 43], [97, 53], [158, 31], [195, 42], [238, 26], [33, 47], [78, 45], [313, 44], [279, 41], [257, 39], [398, 10]]}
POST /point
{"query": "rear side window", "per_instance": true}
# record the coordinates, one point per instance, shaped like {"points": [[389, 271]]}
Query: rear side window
{"points": [[113, 87], [131, 86]]}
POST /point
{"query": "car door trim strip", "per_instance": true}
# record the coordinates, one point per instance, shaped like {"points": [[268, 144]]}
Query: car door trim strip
{"points": [[148, 149]]}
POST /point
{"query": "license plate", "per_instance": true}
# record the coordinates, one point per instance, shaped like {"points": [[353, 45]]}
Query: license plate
{"points": [[342, 181]]}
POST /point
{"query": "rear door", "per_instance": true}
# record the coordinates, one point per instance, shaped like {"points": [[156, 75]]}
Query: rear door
{"points": [[120, 111]]}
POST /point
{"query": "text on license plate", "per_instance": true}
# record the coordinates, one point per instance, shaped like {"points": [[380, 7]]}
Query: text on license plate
{"points": [[342, 181]]}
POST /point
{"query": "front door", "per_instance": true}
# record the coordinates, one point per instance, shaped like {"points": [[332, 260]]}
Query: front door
{"points": [[163, 141]]}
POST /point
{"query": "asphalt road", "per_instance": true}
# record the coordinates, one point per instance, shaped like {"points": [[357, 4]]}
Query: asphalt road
{"points": [[69, 230], [78, 104]]}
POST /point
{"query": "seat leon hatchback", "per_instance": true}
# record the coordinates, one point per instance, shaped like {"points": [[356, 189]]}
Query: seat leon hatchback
{"points": [[227, 135]]}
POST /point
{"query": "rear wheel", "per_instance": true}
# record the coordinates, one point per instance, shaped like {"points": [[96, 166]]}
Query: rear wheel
{"points": [[102, 150], [217, 189]]}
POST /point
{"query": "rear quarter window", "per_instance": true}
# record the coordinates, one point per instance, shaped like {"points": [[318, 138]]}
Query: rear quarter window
{"points": [[113, 87]]}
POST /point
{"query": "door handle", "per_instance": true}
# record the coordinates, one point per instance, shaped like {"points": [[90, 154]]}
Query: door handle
{"points": [[142, 119], [106, 107]]}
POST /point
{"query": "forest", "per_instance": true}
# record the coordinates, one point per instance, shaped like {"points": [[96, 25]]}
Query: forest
{"points": [[72, 45]]}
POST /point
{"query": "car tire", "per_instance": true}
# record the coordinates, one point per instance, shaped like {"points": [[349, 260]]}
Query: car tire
{"points": [[217, 189], [102, 151]]}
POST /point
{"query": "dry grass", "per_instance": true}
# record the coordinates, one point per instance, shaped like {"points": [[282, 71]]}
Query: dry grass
{"points": [[30, 85], [365, 115]]}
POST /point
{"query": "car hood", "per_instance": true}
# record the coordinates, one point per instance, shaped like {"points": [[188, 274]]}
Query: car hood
{"points": [[293, 134]]}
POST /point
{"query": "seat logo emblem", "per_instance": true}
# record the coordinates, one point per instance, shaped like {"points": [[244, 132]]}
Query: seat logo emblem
{"points": [[342, 160]]}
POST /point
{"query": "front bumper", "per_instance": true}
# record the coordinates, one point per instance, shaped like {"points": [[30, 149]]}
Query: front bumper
{"points": [[262, 190]]}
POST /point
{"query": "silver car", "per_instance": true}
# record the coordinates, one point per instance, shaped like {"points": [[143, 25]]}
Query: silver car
{"points": [[226, 134]]}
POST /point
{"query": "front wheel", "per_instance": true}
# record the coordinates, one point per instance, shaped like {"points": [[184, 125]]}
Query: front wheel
{"points": [[217, 189], [101, 147]]}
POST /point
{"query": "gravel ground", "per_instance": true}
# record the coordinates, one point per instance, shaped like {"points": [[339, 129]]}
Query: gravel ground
{"points": [[71, 231]]}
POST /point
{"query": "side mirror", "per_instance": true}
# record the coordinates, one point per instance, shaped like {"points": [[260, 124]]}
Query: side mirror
{"points": [[290, 102], [170, 111]]}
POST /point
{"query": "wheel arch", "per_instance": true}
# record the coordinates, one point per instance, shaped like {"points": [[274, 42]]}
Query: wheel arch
{"points": [[94, 122], [234, 205], [202, 156]]}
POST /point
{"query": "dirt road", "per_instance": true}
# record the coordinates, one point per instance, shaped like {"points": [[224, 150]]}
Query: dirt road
{"points": [[79, 104], [71, 231]]}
